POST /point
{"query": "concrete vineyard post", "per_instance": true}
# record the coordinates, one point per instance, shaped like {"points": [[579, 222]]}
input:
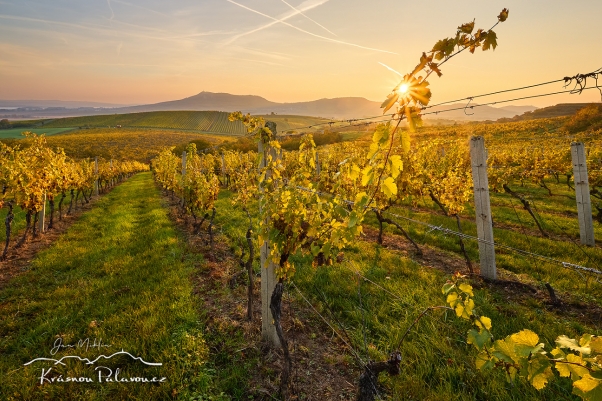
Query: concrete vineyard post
{"points": [[584, 205], [42, 215], [268, 271], [478, 159], [96, 175]]}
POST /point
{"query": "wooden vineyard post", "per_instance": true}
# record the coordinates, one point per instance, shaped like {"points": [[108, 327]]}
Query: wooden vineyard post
{"points": [[584, 205], [224, 169], [111, 166], [183, 164], [96, 175], [317, 165], [478, 158], [183, 175], [42, 215], [268, 269]]}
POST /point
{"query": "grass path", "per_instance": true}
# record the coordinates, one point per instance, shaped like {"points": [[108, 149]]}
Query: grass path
{"points": [[119, 277]]}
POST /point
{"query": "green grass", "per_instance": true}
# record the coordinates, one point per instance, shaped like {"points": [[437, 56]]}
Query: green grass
{"points": [[15, 133], [119, 275], [514, 227]]}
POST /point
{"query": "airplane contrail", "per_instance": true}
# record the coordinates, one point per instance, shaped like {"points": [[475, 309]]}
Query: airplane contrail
{"points": [[390, 69], [307, 32], [315, 22], [284, 18], [111, 8]]}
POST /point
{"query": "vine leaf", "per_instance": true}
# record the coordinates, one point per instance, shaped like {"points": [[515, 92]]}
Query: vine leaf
{"points": [[565, 342], [490, 41], [467, 28], [568, 369], [587, 383], [389, 102], [478, 338], [540, 371], [503, 15], [389, 187]]}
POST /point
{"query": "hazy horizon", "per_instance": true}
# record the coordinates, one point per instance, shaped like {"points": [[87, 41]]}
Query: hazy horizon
{"points": [[134, 52]]}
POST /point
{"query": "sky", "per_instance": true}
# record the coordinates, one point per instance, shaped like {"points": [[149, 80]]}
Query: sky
{"points": [[138, 52]]}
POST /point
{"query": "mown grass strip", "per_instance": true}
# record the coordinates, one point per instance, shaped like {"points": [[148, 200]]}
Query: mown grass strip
{"points": [[120, 277]]}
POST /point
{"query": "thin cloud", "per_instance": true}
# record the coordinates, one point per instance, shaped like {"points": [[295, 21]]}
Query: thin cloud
{"points": [[258, 61], [315, 22], [142, 7], [113, 32], [262, 53], [310, 33]]}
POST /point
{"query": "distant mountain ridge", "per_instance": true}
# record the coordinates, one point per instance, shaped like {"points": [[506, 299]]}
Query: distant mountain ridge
{"points": [[336, 108]]}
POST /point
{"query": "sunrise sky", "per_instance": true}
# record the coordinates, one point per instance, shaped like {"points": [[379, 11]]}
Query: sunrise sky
{"points": [[136, 52]]}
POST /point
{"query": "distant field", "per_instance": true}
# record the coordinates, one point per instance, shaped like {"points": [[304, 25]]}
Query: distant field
{"points": [[198, 121], [16, 132], [289, 122], [125, 143]]}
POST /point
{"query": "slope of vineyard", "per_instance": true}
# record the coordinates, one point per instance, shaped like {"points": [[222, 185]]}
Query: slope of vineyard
{"points": [[16, 133], [125, 143], [201, 121]]}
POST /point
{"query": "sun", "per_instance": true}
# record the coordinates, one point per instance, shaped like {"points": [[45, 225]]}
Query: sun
{"points": [[403, 88]]}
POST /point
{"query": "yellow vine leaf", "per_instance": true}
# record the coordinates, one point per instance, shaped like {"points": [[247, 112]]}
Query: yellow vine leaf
{"points": [[596, 344], [396, 165], [467, 288], [568, 369], [525, 337], [483, 321], [389, 187], [587, 383], [452, 299], [539, 381]]}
